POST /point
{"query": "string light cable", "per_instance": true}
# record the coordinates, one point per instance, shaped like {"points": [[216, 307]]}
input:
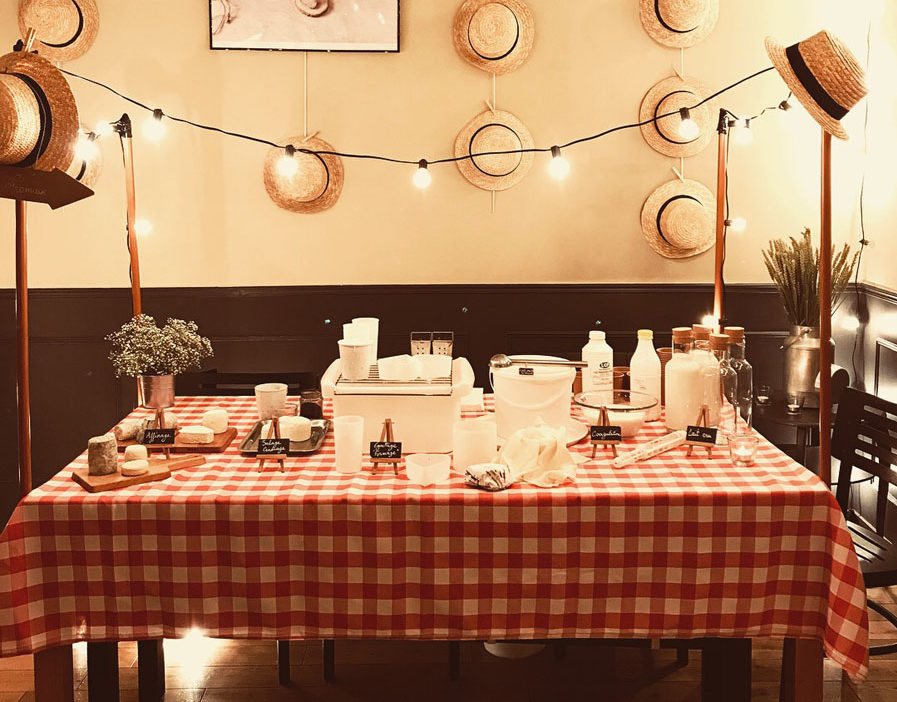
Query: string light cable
{"points": [[555, 150]]}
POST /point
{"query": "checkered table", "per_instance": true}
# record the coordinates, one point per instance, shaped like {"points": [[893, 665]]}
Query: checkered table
{"points": [[674, 547]]}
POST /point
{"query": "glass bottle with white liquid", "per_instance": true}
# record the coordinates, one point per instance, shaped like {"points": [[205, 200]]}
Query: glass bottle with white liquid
{"points": [[598, 375], [709, 366], [682, 386], [644, 371]]}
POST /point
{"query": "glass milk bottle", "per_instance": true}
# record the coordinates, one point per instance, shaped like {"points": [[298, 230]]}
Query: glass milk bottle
{"points": [[744, 372], [598, 375], [709, 366], [728, 383], [644, 370], [682, 378]]}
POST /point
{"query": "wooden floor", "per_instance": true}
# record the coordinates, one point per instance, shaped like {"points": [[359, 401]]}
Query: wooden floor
{"points": [[209, 670]]}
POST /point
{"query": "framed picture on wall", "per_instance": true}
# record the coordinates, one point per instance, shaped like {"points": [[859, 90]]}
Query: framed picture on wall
{"points": [[304, 25]]}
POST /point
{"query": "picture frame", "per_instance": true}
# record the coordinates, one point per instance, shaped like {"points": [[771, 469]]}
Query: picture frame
{"points": [[351, 26]]}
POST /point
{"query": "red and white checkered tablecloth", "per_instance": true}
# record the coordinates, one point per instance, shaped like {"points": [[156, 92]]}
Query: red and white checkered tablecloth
{"points": [[671, 547]]}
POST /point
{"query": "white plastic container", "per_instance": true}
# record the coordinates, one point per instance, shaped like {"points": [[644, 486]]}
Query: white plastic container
{"points": [[474, 441], [598, 376], [644, 370], [355, 356], [348, 433], [683, 383], [521, 400], [423, 412], [427, 468]]}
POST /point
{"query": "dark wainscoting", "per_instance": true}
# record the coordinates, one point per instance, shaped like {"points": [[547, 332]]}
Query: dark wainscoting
{"points": [[75, 395]]}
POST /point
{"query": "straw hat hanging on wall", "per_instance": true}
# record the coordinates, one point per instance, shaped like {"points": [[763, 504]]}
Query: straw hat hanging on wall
{"points": [[38, 115], [65, 29], [669, 96], [495, 36], [823, 75], [678, 23], [678, 219], [315, 186], [494, 131]]}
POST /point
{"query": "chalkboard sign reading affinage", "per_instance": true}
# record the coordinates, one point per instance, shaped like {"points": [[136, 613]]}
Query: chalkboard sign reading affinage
{"points": [[386, 450], [158, 437]]}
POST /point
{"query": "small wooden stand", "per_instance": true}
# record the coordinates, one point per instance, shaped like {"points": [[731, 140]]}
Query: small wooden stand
{"points": [[159, 421], [703, 421], [603, 420], [387, 435], [273, 433]]}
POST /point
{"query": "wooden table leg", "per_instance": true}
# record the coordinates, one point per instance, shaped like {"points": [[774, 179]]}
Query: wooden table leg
{"points": [[150, 670], [54, 679], [283, 662], [102, 671], [329, 659], [726, 670], [801, 671]]}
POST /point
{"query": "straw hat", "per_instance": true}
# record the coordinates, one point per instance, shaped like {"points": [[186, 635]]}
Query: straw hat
{"points": [[494, 131], [495, 36], [38, 115], [669, 96], [677, 219], [315, 186], [824, 76], [679, 23], [313, 8], [65, 29]]}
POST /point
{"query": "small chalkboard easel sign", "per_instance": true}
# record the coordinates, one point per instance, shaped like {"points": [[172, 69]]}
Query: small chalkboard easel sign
{"points": [[700, 434], [273, 447], [605, 434], [387, 450], [157, 436]]}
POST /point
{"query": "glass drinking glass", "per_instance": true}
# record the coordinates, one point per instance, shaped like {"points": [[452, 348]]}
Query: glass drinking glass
{"points": [[743, 449], [473, 441], [764, 394], [348, 433], [794, 402]]}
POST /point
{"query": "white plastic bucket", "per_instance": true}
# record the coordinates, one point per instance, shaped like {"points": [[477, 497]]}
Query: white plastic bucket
{"points": [[521, 400]]}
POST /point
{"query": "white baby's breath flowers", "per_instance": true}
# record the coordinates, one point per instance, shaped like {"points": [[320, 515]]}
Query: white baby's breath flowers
{"points": [[142, 348]]}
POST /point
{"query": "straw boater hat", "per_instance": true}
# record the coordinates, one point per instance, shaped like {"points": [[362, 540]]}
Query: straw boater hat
{"points": [[312, 8], [677, 219], [38, 115], [679, 23], [494, 35], [317, 183], [65, 29], [489, 131], [823, 75], [669, 96]]}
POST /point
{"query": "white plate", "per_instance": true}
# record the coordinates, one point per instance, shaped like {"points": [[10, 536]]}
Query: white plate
{"points": [[576, 431]]}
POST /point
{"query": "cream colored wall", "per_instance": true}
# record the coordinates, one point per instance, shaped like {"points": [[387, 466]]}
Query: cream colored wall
{"points": [[591, 64]]}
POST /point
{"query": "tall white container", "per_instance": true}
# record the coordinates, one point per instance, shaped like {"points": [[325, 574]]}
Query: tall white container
{"points": [[539, 392], [598, 375], [684, 394], [644, 370]]}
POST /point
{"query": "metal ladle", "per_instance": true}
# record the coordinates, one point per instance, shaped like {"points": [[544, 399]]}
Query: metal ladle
{"points": [[501, 360]]}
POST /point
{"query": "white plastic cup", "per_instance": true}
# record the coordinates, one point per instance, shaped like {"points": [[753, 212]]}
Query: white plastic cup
{"points": [[371, 326], [473, 441], [427, 468], [355, 358], [348, 434], [355, 332], [270, 399]]}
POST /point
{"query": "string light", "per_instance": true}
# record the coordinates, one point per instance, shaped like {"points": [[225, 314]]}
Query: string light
{"points": [[737, 224], [153, 128], [688, 128], [287, 164], [103, 129], [85, 147], [559, 167], [743, 135], [785, 105], [850, 323], [708, 320], [142, 227], [422, 177]]}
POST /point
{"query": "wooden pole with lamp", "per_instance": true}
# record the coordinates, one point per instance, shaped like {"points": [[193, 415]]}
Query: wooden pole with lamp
{"points": [[722, 158]]}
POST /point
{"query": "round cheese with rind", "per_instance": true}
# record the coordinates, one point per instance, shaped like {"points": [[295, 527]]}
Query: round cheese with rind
{"points": [[216, 419], [136, 452], [196, 434], [132, 468]]}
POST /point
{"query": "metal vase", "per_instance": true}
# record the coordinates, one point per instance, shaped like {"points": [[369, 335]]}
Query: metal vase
{"points": [[157, 391], [802, 363]]}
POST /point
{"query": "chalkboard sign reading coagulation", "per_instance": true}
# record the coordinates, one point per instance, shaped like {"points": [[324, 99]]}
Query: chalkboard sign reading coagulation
{"points": [[605, 434]]}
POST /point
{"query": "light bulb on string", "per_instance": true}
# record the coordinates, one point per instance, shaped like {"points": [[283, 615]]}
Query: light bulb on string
{"points": [[142, 227], [559, 167], [287, 165], [85, 147], [153, 128], [850, 323], [688, 128], [743, 135], [785, 105], [422, 177], [103, 128], [708, 320], [736, 224]]}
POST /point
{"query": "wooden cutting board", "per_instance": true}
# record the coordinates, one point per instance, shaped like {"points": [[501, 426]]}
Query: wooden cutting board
{"points": [[159, 469], [219, 444]]}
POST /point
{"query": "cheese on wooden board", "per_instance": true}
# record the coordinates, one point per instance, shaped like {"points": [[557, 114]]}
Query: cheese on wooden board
{"points": [[216, 420], [135, 467], [295, 428], [196, 434], [102, 455], [136, 452], [128, 429]]}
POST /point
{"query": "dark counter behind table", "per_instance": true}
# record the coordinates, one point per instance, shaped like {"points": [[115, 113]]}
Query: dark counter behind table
{"points": [[75, 394]]}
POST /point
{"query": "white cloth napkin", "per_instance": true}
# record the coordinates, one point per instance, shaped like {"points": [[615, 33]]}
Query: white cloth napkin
{"points": [[539, 455]]}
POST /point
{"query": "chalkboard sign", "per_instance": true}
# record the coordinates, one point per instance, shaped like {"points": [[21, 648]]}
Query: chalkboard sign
{"points": [[273, 447], [700, 436], [386, 450], [526, 371], [601, 434], [158, 437]]}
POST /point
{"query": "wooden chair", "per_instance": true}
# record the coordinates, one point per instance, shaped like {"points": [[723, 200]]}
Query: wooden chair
{"points": [[865, 439]]}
